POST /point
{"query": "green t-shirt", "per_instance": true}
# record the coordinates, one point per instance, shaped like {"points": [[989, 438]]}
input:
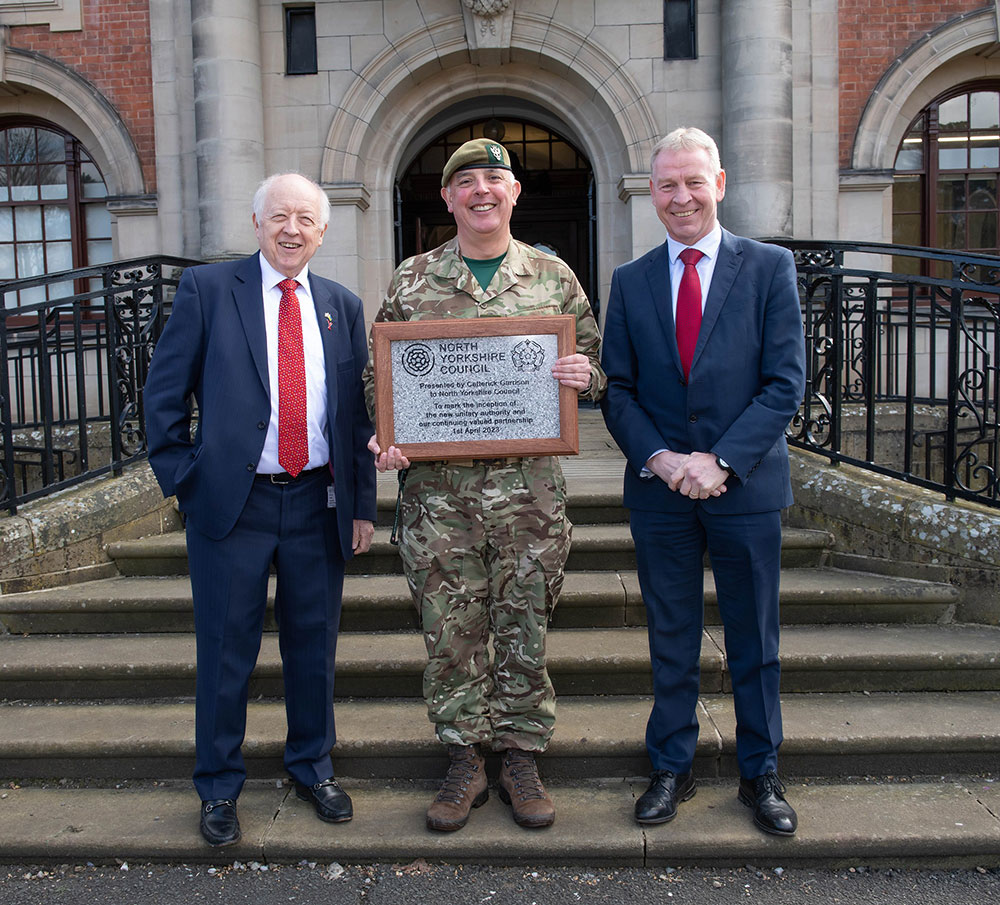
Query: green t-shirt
{"points": [[483, 271]]}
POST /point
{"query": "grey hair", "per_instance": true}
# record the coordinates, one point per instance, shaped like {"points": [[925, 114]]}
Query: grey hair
{"points": [[260, 196], [689, 138]]}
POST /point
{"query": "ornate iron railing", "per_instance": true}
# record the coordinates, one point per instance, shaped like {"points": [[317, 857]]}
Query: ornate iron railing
{"points": [[903, 363], [903, 367], [72, 370]]}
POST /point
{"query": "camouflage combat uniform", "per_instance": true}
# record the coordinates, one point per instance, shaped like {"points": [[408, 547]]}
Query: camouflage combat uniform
{"points": [[484, 542]]}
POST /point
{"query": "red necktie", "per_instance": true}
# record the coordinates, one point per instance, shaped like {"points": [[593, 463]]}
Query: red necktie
{"points": [[293, 437], [688, 308]]}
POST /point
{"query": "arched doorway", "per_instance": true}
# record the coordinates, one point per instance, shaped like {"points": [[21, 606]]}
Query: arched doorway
{"points": [[555, 211]]}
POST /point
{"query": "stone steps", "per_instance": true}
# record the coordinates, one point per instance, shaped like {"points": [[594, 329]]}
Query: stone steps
{"points": [[921, 824], [382, 603], [826, 735], [598, 546], [581, 661]]}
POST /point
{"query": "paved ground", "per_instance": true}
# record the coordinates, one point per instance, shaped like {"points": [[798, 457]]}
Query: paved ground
{"points": [[383, 884]]}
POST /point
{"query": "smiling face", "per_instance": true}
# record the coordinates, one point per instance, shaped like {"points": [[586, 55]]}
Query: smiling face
{"points": [[482, 201], [289, 229], [686, 193]]}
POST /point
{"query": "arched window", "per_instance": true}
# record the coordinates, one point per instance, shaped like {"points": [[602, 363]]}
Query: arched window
{"points": [[53, 207], [947, 173]]}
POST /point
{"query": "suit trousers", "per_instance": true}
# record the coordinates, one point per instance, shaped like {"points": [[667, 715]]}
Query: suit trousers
{"points": [[290, 527], [745, 553]]}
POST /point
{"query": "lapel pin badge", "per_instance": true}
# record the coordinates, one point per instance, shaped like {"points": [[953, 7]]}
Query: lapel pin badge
{"points": [[329, 320]]}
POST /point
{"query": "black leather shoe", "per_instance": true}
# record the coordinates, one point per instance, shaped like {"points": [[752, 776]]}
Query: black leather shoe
{"points": [[219, 824], [658, 804], [766, 795], [332, 803]]}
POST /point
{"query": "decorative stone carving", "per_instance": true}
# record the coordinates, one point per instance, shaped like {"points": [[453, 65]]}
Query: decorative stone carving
{"points": [[488, 26], [487, 8]]}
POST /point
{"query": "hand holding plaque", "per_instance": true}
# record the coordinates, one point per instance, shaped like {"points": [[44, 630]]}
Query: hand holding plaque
{"points": [[475, 387]]}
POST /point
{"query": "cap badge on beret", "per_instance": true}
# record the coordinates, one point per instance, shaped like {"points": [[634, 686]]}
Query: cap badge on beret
{"points": [[478, 153]]}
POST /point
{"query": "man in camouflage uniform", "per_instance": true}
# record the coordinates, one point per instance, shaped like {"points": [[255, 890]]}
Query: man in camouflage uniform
{"points": [[484, 541]]}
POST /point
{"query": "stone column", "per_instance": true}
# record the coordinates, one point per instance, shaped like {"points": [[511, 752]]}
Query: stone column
{"points": [[757, 117], [229, 122]]}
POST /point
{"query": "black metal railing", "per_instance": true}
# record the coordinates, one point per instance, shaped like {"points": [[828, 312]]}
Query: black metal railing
{"points": [[72, 370], [903, 367], [903, 363]]}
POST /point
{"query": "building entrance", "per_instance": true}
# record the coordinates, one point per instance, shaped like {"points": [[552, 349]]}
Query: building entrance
{"points": [[556, 209]]}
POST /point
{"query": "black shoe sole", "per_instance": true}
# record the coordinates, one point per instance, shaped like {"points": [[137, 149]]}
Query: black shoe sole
{"points": [[222, 843], [763, 827], [339, 819], [656, 821]]}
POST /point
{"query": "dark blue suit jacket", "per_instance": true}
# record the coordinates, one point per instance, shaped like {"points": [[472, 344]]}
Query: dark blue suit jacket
{"points": [[214, 346], [746, 380]]}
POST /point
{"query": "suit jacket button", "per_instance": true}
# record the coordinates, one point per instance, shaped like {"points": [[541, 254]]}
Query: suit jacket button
{"points": [[261, 425], [251, 467], [692, 418]]}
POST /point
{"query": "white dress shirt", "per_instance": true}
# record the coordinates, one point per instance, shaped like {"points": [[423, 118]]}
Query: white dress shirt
{"points": [[312, 346], [709, 248], [708, 245]]}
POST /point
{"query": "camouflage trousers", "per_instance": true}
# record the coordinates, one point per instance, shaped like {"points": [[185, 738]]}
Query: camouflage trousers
{"points": [[483, 549]]}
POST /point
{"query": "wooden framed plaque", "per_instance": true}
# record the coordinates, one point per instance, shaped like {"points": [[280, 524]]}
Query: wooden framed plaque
{"points": [[461, 388]]}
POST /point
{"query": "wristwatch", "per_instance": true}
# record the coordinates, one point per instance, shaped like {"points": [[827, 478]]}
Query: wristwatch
{"points": [[724, 465]]}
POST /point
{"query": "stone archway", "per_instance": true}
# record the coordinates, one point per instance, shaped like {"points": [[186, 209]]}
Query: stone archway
{"points": [[45, 89], [427, 73], [54, 92], [944, 57]]}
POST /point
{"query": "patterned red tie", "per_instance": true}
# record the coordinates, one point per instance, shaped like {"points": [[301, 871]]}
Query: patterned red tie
{"points": [[688, 308], [293, 437]]}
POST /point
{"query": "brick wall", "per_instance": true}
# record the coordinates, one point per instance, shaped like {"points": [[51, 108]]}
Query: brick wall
{"points": [[871, 36], [112, 53]]}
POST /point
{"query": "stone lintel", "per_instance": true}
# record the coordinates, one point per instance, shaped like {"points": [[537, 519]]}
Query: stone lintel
{"points": [[865, 180], [346, 193], [632, 184], [59, 15], [132, 205]]}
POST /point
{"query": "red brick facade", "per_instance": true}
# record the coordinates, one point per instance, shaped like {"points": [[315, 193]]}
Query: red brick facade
{"points": [[112, 53], [871, 36]]}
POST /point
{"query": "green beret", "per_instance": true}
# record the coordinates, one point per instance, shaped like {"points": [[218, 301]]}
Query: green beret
{"points": [[478, 154]]}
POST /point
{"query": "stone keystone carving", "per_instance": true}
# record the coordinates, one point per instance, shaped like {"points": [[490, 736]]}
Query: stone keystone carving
{"points": [[487, 8], [488, 26]]}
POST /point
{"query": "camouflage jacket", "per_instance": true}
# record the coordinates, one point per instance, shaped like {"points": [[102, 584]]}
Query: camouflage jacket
{"points": [[439, 284]]}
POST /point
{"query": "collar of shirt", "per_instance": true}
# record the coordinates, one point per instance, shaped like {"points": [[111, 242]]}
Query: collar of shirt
{"points": [[708, 245], [269, 278], [316, 394]]}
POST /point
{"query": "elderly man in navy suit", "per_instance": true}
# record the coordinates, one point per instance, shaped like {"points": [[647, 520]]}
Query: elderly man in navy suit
{"points": [[704, 352], [277, 473]]}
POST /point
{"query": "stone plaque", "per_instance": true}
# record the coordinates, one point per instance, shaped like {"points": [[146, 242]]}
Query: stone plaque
{"points": [[474, 387]]}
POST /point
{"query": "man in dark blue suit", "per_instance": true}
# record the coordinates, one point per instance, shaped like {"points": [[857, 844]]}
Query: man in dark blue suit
{"points": [[277, 473], [704, 352]]}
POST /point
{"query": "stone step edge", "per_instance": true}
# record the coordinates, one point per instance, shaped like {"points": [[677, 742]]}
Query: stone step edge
{"points": [[586, 537], [951, 823], [574, 651], [838, 724], [392, 590]]}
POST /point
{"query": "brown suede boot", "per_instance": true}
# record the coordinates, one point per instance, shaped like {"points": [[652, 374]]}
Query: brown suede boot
{"points": [[464, 788], [521, 788]]}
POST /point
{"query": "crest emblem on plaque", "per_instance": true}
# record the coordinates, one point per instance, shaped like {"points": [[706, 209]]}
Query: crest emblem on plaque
{"points": [[527, 355], [418, 360]]}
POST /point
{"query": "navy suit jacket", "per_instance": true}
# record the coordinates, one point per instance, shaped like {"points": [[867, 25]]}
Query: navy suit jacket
{"points": [[214, 345], [746, 380]]}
